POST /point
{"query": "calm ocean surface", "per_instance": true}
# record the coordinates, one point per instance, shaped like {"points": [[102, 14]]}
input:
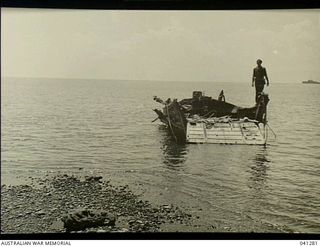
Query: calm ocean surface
{"points": [[105, 127]]}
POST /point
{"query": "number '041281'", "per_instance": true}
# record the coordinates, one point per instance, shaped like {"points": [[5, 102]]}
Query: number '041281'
{"points": [[310, 243]]}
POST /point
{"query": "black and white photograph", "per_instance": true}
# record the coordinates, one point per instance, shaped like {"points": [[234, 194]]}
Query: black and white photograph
{"points": [[160, 121]]}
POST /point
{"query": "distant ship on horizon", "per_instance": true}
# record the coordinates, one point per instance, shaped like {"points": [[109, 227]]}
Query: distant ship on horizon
{"points": [[311, 82]]}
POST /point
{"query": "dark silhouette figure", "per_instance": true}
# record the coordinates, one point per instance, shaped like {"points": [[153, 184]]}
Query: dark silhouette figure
{"points": [[221, 96], [259, 78]]}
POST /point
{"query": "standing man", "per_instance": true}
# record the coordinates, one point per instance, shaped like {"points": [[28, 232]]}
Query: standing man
{"points": [[258, 78]]}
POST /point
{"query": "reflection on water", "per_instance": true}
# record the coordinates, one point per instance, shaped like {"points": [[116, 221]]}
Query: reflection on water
{"points": [[174, 154], [258, 170], [91, 125]]}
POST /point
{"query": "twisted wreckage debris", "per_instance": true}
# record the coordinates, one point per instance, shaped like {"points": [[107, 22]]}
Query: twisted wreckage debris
{"points": [[201, 119], [82, 219]]}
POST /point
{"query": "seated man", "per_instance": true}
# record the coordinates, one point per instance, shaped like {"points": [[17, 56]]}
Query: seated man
{"points": [[221, 96]]}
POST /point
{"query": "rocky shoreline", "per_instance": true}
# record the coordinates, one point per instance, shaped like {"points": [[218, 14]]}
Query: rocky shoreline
{"points": [[44, 205]]}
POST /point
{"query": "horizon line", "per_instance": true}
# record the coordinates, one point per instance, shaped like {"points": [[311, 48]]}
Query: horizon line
{"points": [[110, 79]]}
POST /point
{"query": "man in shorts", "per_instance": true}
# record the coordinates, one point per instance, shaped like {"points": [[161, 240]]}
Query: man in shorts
{"points": [[259, 78]]}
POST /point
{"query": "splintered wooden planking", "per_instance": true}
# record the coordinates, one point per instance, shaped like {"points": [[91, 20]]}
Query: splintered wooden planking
{"points": [[235, 132]]}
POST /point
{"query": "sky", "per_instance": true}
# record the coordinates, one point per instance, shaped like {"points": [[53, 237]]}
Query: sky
{"points": [[220, 46]]}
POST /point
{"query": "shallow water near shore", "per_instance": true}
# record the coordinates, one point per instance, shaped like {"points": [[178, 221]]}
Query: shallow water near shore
{"points": [[104, 127]]}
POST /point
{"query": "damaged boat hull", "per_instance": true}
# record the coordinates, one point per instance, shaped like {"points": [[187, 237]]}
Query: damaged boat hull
{"points": [[191, 120], [234, 132]]}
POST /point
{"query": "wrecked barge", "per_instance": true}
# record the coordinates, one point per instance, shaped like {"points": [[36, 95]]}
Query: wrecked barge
{"points": [[202, 119]]}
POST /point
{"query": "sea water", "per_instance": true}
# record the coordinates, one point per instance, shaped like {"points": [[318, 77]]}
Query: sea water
{"points": [[104, 126]]}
